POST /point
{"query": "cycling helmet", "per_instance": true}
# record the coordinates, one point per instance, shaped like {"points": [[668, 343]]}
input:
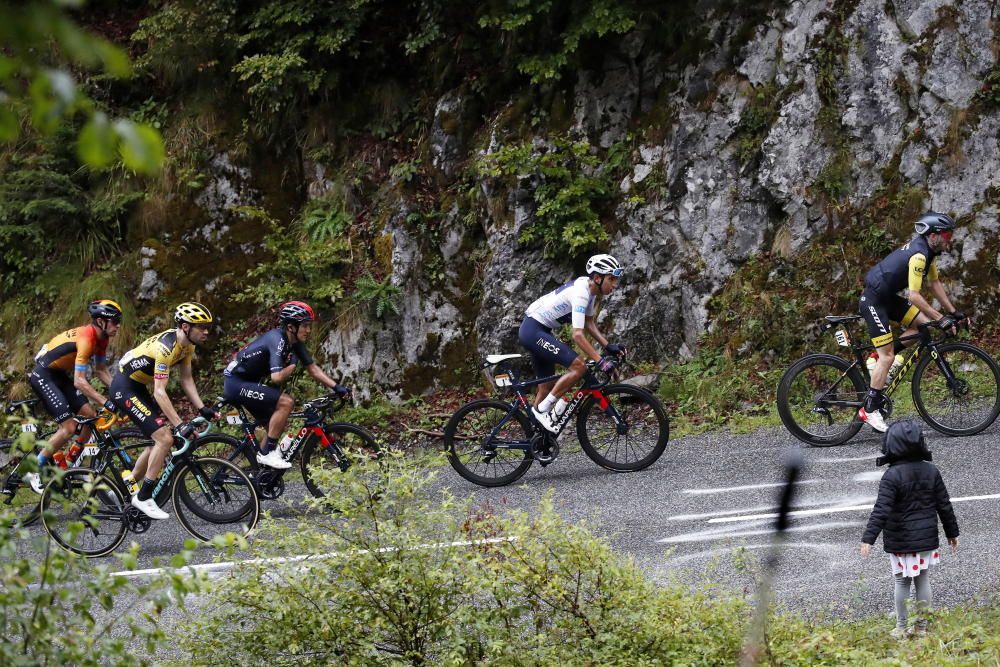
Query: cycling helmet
{"points": [[105, 308], [606, 265], [192, 313], [932, 221], [296, 312]]}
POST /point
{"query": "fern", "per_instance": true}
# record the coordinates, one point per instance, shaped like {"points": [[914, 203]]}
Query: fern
{"points": [[381, 297]]}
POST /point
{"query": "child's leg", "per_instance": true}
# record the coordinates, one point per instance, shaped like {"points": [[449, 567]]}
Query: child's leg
{"points": [[922, 584], [902, 597]]}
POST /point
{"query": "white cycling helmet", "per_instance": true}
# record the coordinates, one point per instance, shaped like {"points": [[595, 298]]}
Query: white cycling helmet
{"points": [[606, 265]]}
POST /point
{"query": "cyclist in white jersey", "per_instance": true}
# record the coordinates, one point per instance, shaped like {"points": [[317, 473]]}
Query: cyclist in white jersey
{"points": [[573, 302]]}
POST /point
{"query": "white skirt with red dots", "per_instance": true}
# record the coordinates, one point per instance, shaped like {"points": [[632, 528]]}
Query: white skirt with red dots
{"points": [[912, 564]]}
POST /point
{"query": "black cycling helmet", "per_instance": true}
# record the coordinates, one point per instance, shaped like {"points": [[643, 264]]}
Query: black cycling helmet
{"points": [[105, 308], [932, 221], [296, 312]]}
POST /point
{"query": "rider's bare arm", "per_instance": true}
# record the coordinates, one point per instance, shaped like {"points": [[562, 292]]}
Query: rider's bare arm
{"points": [[163, 400], [937, 289], [317, 372]]}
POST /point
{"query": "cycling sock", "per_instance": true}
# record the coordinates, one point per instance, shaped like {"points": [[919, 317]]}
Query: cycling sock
{"points": [[147, 488], [547, 403], [43, 459], [268, 445], [874, 400]]}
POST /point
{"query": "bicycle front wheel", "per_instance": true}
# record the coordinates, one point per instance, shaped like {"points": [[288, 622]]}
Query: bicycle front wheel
{"points": [[348, 444], [964, 404], [487, 444], [84, 512], [629, 434], [19, 499], [224, 446], [818, 400], [213, 497]]}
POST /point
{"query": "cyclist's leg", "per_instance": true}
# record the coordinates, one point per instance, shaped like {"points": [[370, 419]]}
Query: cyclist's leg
{"points": [[910, 321], [133, 399], [46, 386], [877, 317], [268, 405], [531, 336]]}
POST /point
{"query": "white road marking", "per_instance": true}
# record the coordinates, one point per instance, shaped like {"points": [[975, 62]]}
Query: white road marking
{"points": [[834, 459], [211, 568], [870, 476], [832, 510], [748, 487], [706, 535]]}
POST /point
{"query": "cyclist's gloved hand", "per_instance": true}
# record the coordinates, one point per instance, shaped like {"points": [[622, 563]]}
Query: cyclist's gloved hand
{"points": [[185, 429], [616, 349], [208, 412], [110, 406], [607, 365], [341, 390]]}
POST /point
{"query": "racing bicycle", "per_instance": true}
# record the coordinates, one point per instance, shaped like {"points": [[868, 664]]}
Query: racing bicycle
{"points": [[491, 442], [321, 443], [955, 385], [88, 510]]}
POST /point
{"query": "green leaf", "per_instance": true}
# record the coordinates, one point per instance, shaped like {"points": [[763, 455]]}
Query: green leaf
{"points": [[141, 147], [97, 142], [9, 127]]}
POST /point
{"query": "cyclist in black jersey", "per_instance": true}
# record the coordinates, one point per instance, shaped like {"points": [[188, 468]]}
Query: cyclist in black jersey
{"points": [[274, 356], [903, 269]]}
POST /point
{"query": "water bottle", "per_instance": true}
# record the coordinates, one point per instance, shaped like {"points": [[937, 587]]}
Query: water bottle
{"points": [[60, 460], [285, 444], [560, 407], [871, 362], [897, 364], [74, 451], [130, 483]]}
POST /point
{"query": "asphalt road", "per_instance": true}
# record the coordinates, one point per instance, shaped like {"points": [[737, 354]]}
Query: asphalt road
{"points": [[703, 514]]}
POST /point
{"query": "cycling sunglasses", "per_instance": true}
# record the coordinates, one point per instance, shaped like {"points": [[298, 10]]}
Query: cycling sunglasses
{"points": [[947, 234], [617, 273]]}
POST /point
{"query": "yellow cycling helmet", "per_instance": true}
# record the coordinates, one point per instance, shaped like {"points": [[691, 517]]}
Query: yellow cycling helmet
{"points": [[192, 313]]}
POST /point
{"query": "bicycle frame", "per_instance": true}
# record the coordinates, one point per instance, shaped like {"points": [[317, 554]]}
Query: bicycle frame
{"points": [[313, 428]]}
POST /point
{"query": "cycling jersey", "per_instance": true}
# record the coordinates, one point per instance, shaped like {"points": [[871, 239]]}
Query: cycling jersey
{"points": [[267, 354], [573, 301], [903, 268], [73, 350], [154, 358]]}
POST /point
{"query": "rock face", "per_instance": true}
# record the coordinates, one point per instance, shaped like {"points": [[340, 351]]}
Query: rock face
{"points": [[890, 89]]}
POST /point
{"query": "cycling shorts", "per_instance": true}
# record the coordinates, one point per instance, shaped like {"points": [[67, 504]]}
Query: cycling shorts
{"points": [[133, 398], [546, 350], [60, 396], [260, 400], [879, 311]]}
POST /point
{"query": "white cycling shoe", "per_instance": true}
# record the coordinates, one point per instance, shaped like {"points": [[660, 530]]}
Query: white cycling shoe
{"points": [[274, 460], [545, 419], [873, 419], [149, 508], [34, 481]]}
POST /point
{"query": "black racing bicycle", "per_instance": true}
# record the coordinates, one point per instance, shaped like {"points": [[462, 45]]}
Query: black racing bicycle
{"points": [[319, 443], [491, 442], [88, 510], [955, 385]]}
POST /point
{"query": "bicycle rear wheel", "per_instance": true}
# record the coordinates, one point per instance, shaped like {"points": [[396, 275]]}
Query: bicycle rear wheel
{"points": [[629, 435], [968, 404], [224, 446], [84, 512], [349, 443], [21, 501], [212, 497], [818, 400], [478, 440]]}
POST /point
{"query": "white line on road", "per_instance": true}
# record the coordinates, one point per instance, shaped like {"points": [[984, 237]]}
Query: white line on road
{"points": [[831, 510], [836, 459], [707, 535], [227, 565], [748, 487]]}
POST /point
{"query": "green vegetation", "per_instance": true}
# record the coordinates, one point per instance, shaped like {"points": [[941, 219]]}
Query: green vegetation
{"points": [[758, 116], [567, 198]]}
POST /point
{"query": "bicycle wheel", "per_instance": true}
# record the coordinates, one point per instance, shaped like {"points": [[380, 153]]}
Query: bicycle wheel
{"points": [[224, 446], [965, 406], [818, 400], [21, 501], [212, 497], [477, 440], [629, 434], [349, 443], [84, 512]]}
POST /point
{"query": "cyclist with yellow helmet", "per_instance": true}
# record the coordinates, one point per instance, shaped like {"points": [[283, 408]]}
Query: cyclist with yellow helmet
{"points": [[148, 367], [60, 379]]}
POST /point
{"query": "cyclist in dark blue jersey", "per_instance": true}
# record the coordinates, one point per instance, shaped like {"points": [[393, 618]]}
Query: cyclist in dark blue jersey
{"points": [[273, 357], [903, 269]]}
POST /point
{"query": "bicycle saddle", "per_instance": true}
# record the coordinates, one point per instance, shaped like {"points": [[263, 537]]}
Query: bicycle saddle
{"points": [[837, 319], [494, 359], [14, 405]]}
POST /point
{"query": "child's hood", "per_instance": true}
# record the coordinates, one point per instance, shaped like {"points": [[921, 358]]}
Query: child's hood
{"points": [[904, 441]]}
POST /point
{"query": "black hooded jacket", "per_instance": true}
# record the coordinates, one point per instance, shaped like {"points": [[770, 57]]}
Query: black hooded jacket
{"points": [[911, 496]]}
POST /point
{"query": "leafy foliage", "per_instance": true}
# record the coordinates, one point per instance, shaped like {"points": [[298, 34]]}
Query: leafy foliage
{"points": [[569, 192], [382, 297]]}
